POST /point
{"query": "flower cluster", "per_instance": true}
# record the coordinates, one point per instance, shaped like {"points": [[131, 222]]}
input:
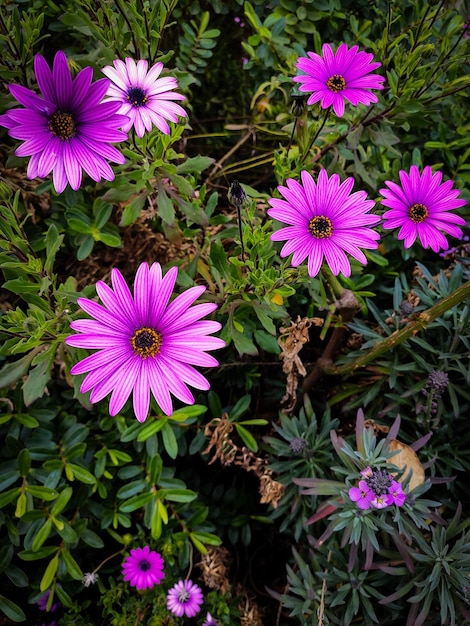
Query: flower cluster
{"points": [[143, 568], [72, 126], [325, 221], [377, 489]]}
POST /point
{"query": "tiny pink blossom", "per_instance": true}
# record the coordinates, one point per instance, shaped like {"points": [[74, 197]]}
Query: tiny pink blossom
{"points": [[395, 495], [367, 472], [362, 495], [379, 502]]}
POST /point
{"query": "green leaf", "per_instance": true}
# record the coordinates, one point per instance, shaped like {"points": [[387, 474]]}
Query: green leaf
{"points": [[169, 441], [136, 502], [61, 502], [71, 564], [247, 437], [12, 372], [37, 380], [53, 243], [242, 406], [12, 610], [8, 496], [42, 535], [166, 210], [49, 574], [24, 462], [35, 555], [81, 474], [180, 495], [195, 165], [151, 428]]}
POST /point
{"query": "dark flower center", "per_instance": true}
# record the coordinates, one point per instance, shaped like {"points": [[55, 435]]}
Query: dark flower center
{"points": [[137, 97], [320, 227], [62, 125], [183, 596], [144, 565], [336, 83], [146, 342], [379, 482], [418, 213]]}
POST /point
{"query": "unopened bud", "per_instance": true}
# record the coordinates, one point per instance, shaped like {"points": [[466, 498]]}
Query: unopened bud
{"points": [[236, 194]]}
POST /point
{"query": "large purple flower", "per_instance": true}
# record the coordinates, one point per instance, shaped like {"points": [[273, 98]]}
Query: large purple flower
{"points": [[326, 221], [69, 128], [336, 77], [144, 97], [420, 208], [185, 598], [143, 568], [145, 344]]}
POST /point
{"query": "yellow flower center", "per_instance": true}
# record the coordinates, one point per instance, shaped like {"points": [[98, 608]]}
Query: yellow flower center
{"points": [[418, 213], [146, 342], [320, 227], [62, 125], [336, 83]]}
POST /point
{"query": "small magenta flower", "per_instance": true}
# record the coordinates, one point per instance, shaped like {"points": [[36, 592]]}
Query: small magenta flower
{"points": [[336, 77], [396, 495], [143, 568], [367, 472], [421, 207], [379, 502], [69, 129], [146, 344], [326, 221], [210, 621], [43, 600], [362, 495], [144, 97], [185, 598]]}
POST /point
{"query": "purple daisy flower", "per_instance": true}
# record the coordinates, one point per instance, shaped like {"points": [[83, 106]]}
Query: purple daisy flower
{"points": [[144, 97], [185, 598], [143, 568], [362, 495], [325, 220], [69, 128], [420, 208], [43, 600], [210, 621], [336, 77], [145, 343], [396, 495]]}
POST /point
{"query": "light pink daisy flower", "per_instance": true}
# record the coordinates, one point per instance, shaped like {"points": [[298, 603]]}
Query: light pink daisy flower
{"points": [[326, 221], [145, 98], [185, 598], [143, 568], [146, 344], [421, 208], [336, 77]]}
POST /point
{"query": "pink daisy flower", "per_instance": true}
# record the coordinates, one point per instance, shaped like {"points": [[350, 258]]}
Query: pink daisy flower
{"points": [[362, 495], [421, 207], [336, 77], [69, 128], [145, 343], [143, 568], [326, 221], [210, 621], [185, 598], [145, 98]]}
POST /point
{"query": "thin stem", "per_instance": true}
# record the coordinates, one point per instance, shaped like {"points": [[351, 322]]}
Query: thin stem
{"points": [[314, 138], [292, 134], [418, 32], [419, 323], [122, 11], [108, 558]]}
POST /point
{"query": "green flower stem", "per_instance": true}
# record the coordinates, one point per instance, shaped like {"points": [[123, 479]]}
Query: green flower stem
{"points": [[420, 322], [315, 136], [333, 281]]}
